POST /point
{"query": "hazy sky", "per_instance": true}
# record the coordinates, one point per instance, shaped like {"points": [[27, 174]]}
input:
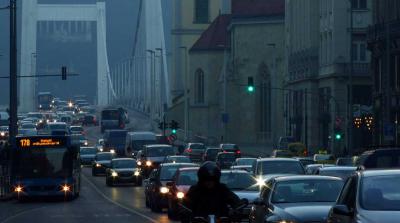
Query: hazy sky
{"points": [[121, 22]]}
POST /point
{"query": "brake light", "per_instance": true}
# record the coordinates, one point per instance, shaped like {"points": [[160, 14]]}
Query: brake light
{"points": [[238, 152], [189, 150]]}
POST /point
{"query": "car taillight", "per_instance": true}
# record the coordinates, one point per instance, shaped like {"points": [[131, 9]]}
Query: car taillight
{"points": [[189, 150], [238, 152]]}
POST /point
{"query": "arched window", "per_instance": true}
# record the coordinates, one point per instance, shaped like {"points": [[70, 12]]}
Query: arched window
{"points": [[264, 98], [199, 87], [201, 11]]}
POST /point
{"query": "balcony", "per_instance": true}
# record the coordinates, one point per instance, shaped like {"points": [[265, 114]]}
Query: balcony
{"points": [[343, 69], [377, 32]]}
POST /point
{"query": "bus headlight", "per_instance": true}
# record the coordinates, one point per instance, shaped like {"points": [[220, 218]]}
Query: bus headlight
{"points": [[137, 173], [164, 190], [139, 163], [180, 195], [114, 174], [148, 163], [112, 150], [65, 188]]}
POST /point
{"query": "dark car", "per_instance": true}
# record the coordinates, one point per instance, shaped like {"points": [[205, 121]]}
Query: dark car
{"points": [[90, 120], [267, 168], [244, 164], [156, 190], [229, 147], [194, 151], [379, 158], [87, 155], [225, 159], [102, 161], [123, 170], [371, 196], [177, 159], [210, 154], [182, 181], [343, 172], [152, 156], [296, 199], [243, 184]]}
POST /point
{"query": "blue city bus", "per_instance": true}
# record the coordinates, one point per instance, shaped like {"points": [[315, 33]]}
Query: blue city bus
{"points": [[46, 166], [45, 101]]}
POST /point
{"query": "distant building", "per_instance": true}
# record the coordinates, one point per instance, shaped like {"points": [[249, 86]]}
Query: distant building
{"points": [[384, 43]]}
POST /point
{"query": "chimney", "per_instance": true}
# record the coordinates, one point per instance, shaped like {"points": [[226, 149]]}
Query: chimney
{"points": [[226, 7]]}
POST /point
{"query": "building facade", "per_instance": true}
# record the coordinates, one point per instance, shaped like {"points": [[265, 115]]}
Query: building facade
{"points": [[384, 43], [324, 60]]}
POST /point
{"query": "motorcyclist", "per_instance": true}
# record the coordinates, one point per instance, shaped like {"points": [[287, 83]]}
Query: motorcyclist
{"points": [[209, 196]]}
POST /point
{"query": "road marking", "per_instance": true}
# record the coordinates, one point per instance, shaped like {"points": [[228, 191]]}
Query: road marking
{"points": [[21, 213], [116, 203]]}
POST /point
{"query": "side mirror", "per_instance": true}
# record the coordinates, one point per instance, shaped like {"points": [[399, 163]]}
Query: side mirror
{"points": [[259, 202], [341, 210]]}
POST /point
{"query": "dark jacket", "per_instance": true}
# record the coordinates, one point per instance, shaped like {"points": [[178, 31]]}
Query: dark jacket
{"points": [[204, 202]]}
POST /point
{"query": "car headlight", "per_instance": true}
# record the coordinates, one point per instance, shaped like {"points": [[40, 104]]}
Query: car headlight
{"points": [[114, 174], [164, 190], [98, 165], [101, 149], [148, 163], [86, 143], [180, 195], [139, 163], [112, 150], [260, 181], [136, 173], [2, 133]]}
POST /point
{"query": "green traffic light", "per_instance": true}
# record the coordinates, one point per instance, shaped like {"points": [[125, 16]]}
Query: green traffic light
{"points": [[250, 88], [338, 136], [173, 131]]}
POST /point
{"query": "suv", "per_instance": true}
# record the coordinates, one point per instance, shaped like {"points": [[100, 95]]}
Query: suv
{"points": [[152, 156], [194, 151], [379, 158], [228, 147]]}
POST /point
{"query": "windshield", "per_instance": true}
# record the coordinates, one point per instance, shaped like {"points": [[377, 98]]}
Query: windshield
{"points": [[187, 177], [44, 162], [344, 174], [104, 156], [299, 191], [28, 126], [110, 115], [381, 193], [121, 164], [168, 172], [159, 151], [245, 162], [280, 167], [239, 181], [88, 151]]}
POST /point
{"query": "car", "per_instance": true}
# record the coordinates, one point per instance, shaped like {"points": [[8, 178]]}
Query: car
{"points": [[343, 172], [28, 125], [266, 168], [136, 140], [183, 179], [76, 129], [102, 161], [177, 159], [225, 159], [87, 155], [4, 132], [305, 160], [211, 153], [194, 151], [296, 199], [369, 196], [100, 145], [244, 164], [90, 119], [79, 139], [243, 184], [379, 158], [156, 189], [312, 169], [281, 153], [57, 128], [152, 156], [344, 161], [123, 170], [229, 147], [66, 118], [324, 158]]}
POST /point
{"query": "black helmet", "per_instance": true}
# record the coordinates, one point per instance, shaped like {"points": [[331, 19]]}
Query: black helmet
{"points": [[209, 171]]}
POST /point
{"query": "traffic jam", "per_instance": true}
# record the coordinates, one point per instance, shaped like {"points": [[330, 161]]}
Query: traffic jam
{"points": [[289, 186]]}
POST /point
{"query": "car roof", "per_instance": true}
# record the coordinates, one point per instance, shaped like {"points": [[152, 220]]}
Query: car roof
{"points": [[193, 168], [57, 123], [123, 159], [380, 172], [234, 171], [158, 145], [246, 158], [305, 177], [227, 153], [177, 156], [277, 159], [179, 164]]}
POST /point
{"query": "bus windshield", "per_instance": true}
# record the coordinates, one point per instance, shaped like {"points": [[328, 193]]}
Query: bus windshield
{"points": [[110, 115], [44, 162]]}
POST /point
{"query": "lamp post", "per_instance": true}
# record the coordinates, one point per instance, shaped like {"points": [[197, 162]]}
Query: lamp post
{"points": [[186, 91], [152, 71], [350, 86]]}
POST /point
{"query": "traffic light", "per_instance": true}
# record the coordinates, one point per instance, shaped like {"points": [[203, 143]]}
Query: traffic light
{"points": [[250, 85], [63, 73], [338, 134], [174, 126]]}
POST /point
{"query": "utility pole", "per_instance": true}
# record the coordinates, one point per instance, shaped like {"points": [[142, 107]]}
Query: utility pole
{"points": [[350, 87], [13, 73]]}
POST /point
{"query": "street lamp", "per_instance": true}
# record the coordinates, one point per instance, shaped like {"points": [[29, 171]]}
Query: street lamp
{"points": [[186, 96], [152, 87]]}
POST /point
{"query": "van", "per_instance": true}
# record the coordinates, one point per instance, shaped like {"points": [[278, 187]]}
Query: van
{"points": [[114, 140], [136, 140]]}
